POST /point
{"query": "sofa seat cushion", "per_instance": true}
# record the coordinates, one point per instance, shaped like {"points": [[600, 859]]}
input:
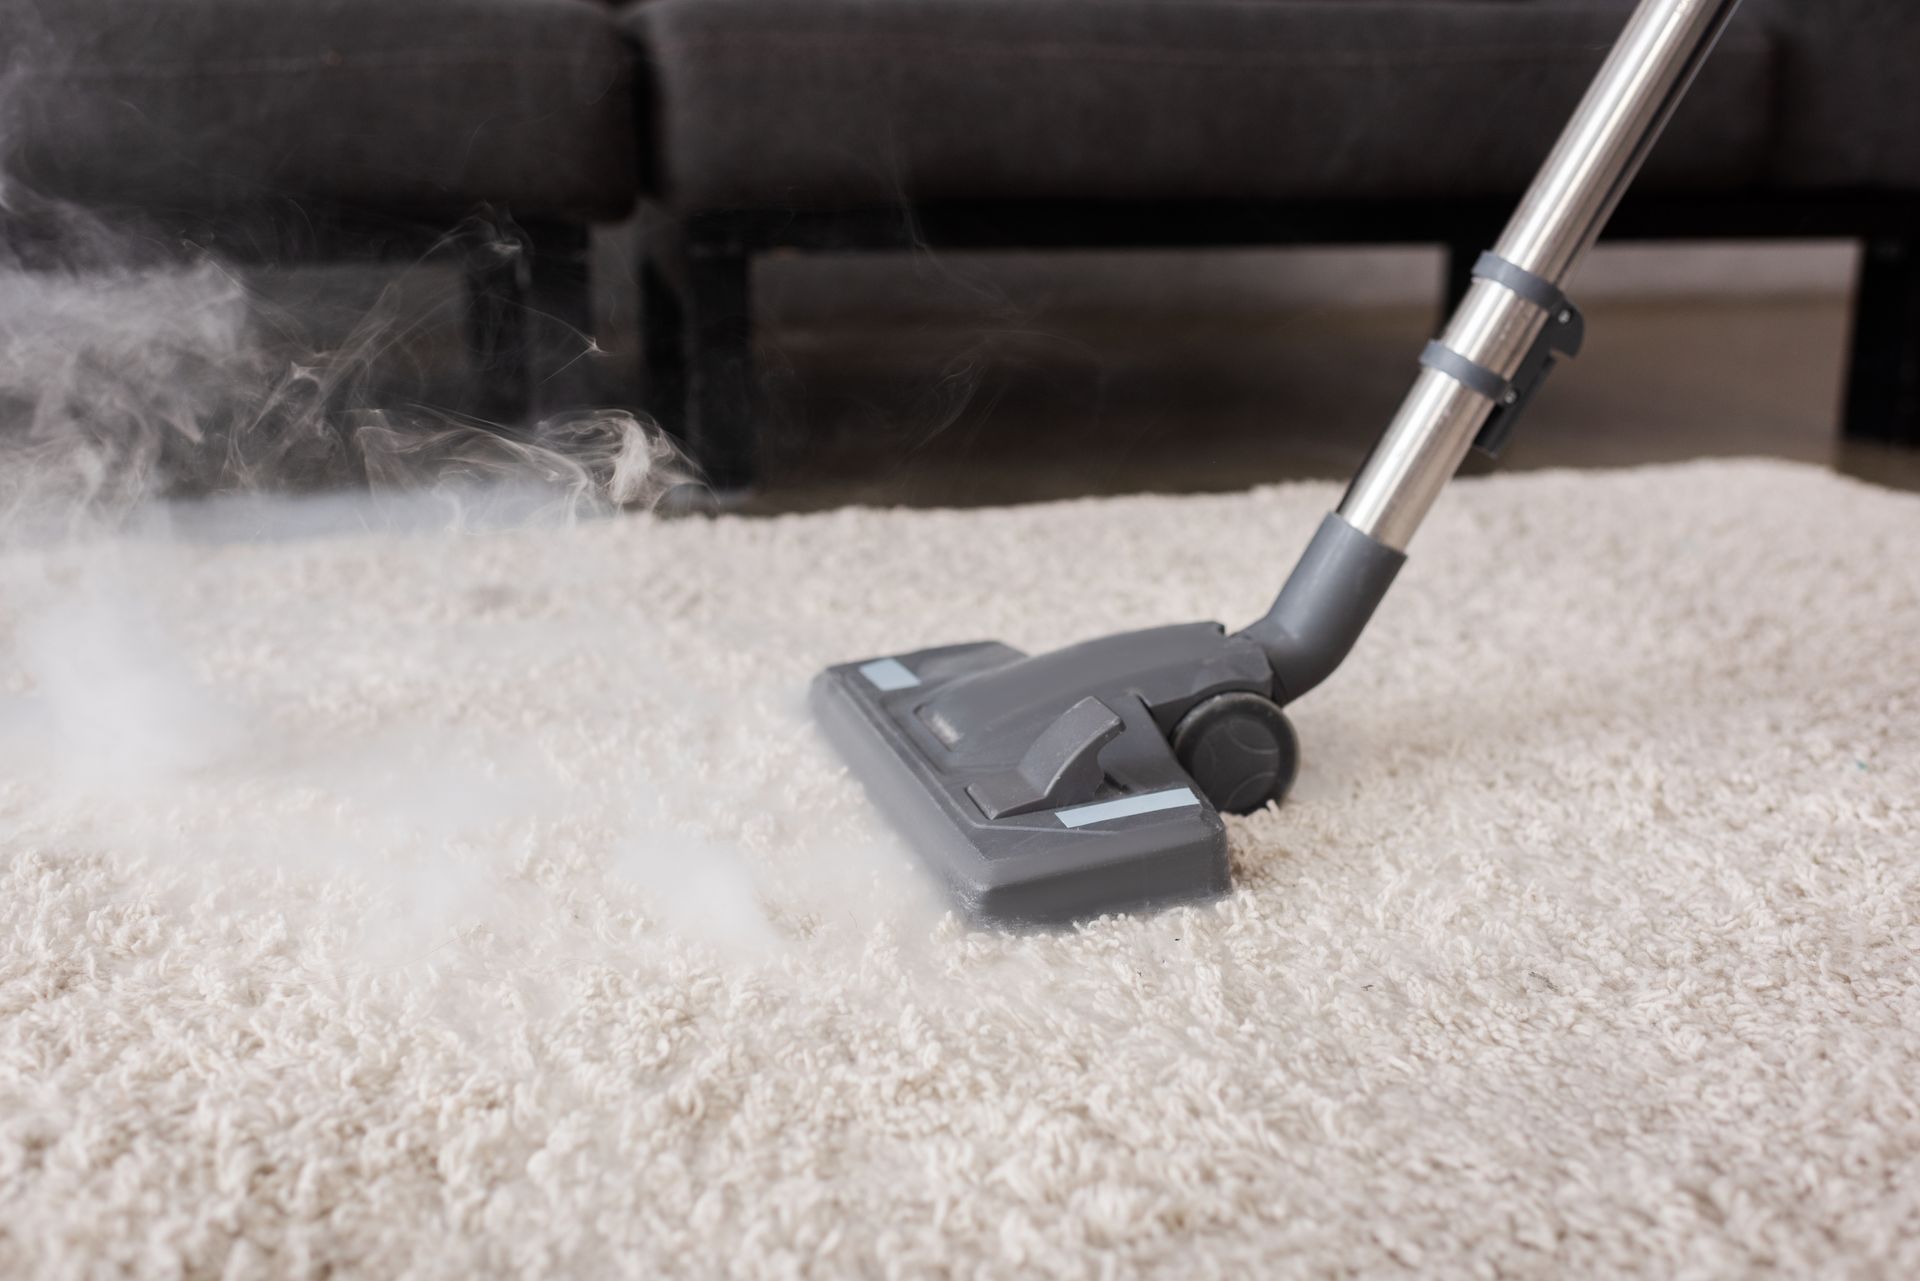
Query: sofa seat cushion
{"points": [[1849, 111], [424, 107], [765, 103]]}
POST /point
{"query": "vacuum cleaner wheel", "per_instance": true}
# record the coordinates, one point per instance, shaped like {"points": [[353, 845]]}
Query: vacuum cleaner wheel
{"points": [[1240, 748]]}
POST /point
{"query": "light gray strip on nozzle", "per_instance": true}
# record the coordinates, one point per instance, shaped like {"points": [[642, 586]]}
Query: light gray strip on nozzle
{"points": [[1324, 606]]}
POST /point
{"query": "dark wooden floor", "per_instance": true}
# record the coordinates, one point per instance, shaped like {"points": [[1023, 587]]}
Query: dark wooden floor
{"points": [[867, 404], [943, 414]]}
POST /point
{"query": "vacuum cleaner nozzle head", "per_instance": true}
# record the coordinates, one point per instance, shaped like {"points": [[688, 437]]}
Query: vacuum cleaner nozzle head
{"points": [[1091, 779], [1044, 789]]}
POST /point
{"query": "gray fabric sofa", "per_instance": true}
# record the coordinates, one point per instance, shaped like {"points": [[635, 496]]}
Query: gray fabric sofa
{"points": [[498, 130], [841, 124], [502, 130], [765, 104], [418, 108]]}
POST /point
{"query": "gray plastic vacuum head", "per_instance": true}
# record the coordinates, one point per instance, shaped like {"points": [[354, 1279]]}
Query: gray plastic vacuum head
{"points": [[1043, 789], [1091, 779]]}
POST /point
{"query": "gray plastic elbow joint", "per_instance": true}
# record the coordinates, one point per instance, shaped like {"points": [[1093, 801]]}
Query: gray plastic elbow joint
{"points": [[1324, 606]]}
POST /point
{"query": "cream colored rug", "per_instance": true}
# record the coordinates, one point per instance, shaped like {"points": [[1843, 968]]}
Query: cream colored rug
{"points": [[384, 905]]}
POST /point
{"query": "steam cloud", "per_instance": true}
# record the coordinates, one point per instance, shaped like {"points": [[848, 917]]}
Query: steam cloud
{"points": [[121, 387], [146, 413]]}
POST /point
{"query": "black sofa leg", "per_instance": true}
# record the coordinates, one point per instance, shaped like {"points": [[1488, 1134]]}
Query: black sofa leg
{"points": [[719, 428], [492, 266], [529, 319], [561, 353], [1459, 277], [663, 348], [1883, 368]]}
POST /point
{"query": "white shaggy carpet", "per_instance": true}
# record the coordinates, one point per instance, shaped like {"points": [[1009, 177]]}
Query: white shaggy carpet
{"points": [[404, 906]]}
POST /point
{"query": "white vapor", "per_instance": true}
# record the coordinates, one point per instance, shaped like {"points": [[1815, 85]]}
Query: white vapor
{"points": [[151, 417]]}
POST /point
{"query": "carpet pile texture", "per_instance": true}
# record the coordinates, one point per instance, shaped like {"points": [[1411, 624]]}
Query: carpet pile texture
{"points": [[383, 905]]}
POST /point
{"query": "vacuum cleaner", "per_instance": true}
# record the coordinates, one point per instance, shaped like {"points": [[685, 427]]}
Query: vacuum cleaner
{"points": [[1047, 788]]}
